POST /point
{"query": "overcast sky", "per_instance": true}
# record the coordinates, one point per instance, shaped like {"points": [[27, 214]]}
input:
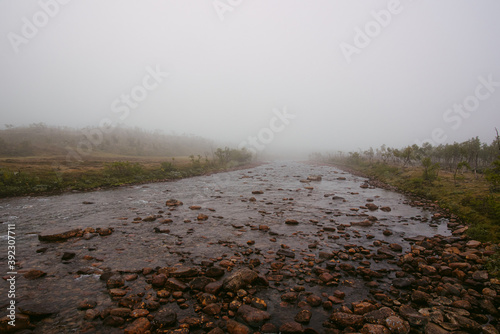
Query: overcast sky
{"points": [[340, 74]]}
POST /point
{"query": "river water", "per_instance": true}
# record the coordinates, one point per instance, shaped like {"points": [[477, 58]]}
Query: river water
{"points": [[233, 220]]}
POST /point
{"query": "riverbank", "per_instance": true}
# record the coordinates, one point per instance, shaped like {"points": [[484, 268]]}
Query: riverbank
{"points": [[466, 199], [36, 176]]}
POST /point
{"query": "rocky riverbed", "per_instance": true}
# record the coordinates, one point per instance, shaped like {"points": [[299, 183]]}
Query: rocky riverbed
{"points": [[280, 248]]}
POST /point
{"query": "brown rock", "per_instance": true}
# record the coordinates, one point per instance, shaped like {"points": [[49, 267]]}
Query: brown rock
{"points": [[397, 325], [234, 327], [59, 234], [239, 279], [303, 317], [139, 326], [431, 328], [175, 284], [346, 320], [363, 307], [374, 329], [253, 316], [34, 274], [314, 300], [173, 202], [291, 328]]}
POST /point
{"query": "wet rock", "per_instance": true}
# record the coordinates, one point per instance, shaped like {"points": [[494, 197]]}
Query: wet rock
{"points": [[216, 330], [199, 283], [104, 231], [480, 276], [115, 282], [87, 304], [291, 222], [183, 272], [139, 313], [387, 233], [113, 321], [413, 317], [303, 317], [91, 314], [239, 279], [371, 206], [214, 287], [346, 320], [378, 316], [269, 328], [234, 327], [363, 307], [402, 283], [314, 300], [68, 256], [364, 223], [314, 178], [286, 253], [396, 247], [164, 318], [202, 217], [385, 209], [397, 325], [291, 328], [161, 229], [59, 234], [195, 207], [289, 297], [212, 309], [175, 284], [253, 316], [173, 203], [214, 272], [139, 326], [431, 328], [34, 274], [374, 329], [420, 297]]}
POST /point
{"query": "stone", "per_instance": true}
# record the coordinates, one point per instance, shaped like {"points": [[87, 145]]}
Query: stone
{"points": [[202, 217], [34, 274], [59, 234], [291, 328], [253, 316], [234, 327], [431, 328], [212, 309], [173, 203], [374, 329], [346, 320], [214, 272], [396, 325], [291, 222], [139, 326], [22, 322], [413, 317], [37, 310], [159, 281], [87, 304], [371, 206], [175, 284], [286, 253], [199, 283], [314, 300], [303, 317], [113, 321], [363, 307], [183, 272], [164, 318], [239, 279]]}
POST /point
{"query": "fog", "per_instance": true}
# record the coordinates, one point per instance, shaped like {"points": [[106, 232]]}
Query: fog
{"points": [[272, 76]]}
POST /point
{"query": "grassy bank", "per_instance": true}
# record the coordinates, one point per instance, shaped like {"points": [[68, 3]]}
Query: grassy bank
{"points": [[52, 175], [468, 196]]}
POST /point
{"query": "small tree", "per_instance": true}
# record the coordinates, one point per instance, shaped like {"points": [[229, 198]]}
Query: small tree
{"points": [[431, 170], [460, 166]]}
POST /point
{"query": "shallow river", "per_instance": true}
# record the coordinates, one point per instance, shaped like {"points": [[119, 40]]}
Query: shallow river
{"points": [[233, 220]]}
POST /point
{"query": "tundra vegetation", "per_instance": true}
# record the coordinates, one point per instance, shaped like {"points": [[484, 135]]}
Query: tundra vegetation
{"points": [[461, 177], [39, 159]]}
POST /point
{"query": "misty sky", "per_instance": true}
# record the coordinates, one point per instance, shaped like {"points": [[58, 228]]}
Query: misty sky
{"points": [[354, 74]]}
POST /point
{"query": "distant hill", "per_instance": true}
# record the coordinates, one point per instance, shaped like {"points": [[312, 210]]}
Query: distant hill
{"points": [[42, 140]]}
